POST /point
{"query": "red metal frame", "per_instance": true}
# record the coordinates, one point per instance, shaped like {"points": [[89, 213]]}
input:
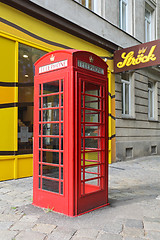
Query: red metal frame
{"points": [[59, 183]]}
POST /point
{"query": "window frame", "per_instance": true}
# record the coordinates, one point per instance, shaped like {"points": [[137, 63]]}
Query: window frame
{"points": [[123, 16], [153, 116], [131, 96], [150, 7], [96, 6], [124, 83], [148, 21]]}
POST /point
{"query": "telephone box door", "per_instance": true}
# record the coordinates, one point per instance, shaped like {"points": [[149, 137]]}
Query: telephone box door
{"points": [[92, 146]]}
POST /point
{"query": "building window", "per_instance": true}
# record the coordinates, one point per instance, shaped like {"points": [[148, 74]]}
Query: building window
{"points": [[147, 25], [26, 59], [150, 100], [93, 5], [123, 14], [128, 96], [125, 93], [150, 21]]}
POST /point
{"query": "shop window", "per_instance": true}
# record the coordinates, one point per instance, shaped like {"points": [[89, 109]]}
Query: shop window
{"points": [[26, 59], [128, 108], [123, 5]]}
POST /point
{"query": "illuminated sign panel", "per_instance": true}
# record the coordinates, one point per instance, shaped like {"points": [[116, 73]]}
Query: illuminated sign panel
{"points": [[136, 57]]}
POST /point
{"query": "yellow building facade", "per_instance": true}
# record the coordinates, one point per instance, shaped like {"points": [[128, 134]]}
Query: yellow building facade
{"points": [[24, 39]]}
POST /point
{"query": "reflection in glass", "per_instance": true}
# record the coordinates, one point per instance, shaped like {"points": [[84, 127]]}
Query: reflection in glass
{"points": [[62, 173], [92, 131], [62, 129], [40, 116], [62, 158], [92, 143], [39, 129], [51, 101], [51, 129], [51, 143], [61, 99], [27, 56], [61, 187], [39, 142], [50, 185], [92, 156], [61, 85], [92, 116], [51, 157], [92, 89], [92, 102], [51, 87], [62, 114], [51, 115], [61, 143], [39, 169], [50, 171], [39, 102], [39, 89], [39, 182]]}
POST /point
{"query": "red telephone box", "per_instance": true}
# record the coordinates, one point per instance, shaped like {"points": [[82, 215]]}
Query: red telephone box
{"points": [[70, 132]]}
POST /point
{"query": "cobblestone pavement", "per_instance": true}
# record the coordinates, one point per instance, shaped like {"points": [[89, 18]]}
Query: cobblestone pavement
{"points": [[133, 213]]}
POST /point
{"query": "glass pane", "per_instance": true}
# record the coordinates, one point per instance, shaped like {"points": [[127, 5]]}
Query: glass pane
{"points": [[92, 157], [51, 101], [51, 157], [62, 129], [92, 102], [50, 171], [39, 142], [151, 103], [39, 185], [92, 116], [26, 59], [82, 119], [62, 158], [39, 102], [92, 143], [92, 131], [39, 129], [50, 185], [92, 172], [51, 115], [40, 89], [39, 169], [61, 187], [51, 87], [51, 143], [61, 99], [62, 173], [92, 89], [61, 143], [40, 116], [61, 85], [62, 114], [51, 129], [123, 16], [126, 98]]}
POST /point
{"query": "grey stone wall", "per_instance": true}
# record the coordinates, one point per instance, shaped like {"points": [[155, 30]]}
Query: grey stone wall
{"points": [[138, 136]]}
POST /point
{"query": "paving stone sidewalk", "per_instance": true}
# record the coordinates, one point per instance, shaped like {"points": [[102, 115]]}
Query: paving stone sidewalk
{"points": [[133, 213]]}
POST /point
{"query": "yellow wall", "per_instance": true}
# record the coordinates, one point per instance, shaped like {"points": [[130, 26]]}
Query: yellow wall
{"points": [[21, 28]]}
